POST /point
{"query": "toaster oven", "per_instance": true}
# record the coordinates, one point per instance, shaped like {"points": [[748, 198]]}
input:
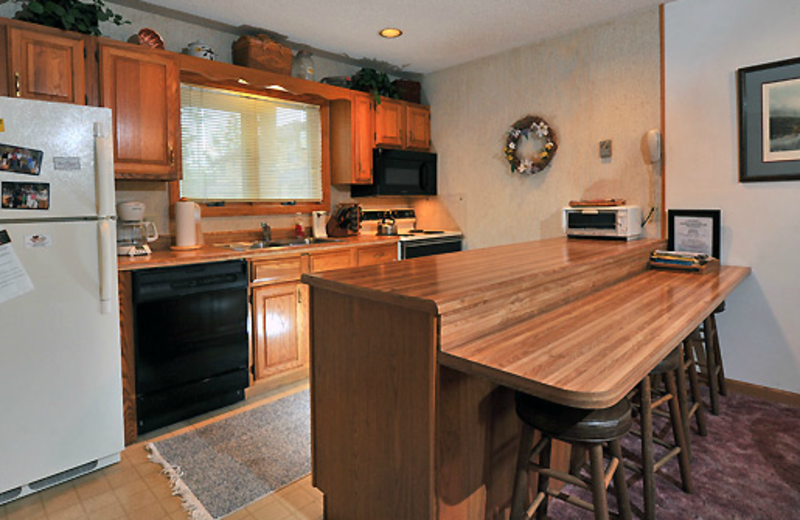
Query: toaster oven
{"points": [[618, 222]]}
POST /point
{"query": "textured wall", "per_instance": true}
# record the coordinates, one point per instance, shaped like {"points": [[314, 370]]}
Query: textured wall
{"points": [[599, 83], [706, 42]]}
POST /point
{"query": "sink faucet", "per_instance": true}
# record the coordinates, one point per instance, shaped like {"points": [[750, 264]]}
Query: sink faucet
{"points": [[266, 232]]}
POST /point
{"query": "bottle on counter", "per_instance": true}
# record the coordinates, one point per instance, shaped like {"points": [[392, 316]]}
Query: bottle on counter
{"points": [[299, 232]]}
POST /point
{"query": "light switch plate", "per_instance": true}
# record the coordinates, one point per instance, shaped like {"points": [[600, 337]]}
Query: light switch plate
{"points": [[605, 149]]}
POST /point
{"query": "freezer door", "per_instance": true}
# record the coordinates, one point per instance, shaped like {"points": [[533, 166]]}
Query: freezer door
{"points": [[60, 376], [51, 150]]}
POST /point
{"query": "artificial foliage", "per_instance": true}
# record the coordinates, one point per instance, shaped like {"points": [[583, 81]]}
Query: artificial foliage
{"points": [[70, 15], [376, 83]]}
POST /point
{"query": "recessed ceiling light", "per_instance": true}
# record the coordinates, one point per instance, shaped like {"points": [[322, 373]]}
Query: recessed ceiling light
{"points": [[391, 32]]}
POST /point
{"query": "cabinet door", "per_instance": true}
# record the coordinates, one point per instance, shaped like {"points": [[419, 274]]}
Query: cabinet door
{"points": [[389, 124], [46, 67], [141, 87], [377, 254], [364, 134], [281, 328], [418, 121], [330, 260]]}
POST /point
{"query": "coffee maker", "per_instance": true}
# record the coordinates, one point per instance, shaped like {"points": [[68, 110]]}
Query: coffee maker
{"points": [[133, 232]]}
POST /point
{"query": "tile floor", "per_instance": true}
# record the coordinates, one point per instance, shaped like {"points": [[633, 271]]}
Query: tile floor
{"points": [[135, 490]]}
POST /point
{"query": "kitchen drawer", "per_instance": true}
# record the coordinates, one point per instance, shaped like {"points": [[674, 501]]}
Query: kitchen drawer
{"points": [[377, 255], [277, 269], [331, 260]]}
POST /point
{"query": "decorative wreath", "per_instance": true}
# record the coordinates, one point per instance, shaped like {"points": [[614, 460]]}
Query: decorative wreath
{"points": [[526, 127]]}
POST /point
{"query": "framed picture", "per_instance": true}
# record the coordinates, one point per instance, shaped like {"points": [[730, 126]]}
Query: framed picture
{"points": [[695, 230], [769, 122]]}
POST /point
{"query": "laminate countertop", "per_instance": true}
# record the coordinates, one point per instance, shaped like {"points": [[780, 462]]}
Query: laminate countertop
{"points": [[213, 253]]}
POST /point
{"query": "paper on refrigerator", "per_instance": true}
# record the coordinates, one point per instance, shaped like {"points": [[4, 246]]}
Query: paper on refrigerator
{"points": [[14, 280]]}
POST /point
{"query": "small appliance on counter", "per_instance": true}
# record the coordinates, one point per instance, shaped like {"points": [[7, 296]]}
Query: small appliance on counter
{"points": [[133, 232], [319, 219], [413, 242], [346, 221], [188, 230], [614, 222]]}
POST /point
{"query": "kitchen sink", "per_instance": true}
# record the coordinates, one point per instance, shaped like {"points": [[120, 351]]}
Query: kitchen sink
{"points": [[287, 242]]}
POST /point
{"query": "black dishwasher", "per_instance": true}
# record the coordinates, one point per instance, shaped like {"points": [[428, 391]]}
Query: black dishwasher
{"points": [[190, 339]]}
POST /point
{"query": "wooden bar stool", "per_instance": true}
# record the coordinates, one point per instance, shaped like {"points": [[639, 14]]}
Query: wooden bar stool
{"points": [[584, 429], [697, 410], [670, 368], [705, 340]]}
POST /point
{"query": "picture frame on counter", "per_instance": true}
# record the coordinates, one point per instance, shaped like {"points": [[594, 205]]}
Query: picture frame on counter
{"points": [[695, 231], [769, 121]]}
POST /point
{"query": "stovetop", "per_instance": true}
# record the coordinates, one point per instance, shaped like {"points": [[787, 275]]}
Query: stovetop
{"points": [[406, 220]]}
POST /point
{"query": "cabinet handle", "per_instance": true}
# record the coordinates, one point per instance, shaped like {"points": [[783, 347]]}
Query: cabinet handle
{"points": [[299, 295], [411, 135], [16, 84], [171, 156]]}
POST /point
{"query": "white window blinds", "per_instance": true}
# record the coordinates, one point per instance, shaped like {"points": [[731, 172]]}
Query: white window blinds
{"points": [[242, 147]]}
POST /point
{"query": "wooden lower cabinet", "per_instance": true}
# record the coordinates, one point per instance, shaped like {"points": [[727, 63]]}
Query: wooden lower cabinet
{"points": [[376, 254], [280, 325]]}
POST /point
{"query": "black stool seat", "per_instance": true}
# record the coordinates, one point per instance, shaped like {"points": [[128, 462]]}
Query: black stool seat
{"points": [[575, 424], [670, 363]]}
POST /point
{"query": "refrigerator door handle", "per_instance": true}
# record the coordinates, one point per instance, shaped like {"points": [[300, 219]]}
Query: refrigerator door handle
{"points": [[104, 172], [106, 265]]}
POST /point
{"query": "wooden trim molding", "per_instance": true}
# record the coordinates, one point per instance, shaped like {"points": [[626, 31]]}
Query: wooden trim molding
{"points": [[663, 123], [235, 209], [773, 395], [128, 360]]}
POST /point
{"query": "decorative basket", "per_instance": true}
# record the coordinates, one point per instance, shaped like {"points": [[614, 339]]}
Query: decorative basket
{"points": [[260, 52], [408, 90]]}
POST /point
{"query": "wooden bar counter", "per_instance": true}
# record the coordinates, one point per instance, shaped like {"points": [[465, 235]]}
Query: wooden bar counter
{"points": [[413, 364]]}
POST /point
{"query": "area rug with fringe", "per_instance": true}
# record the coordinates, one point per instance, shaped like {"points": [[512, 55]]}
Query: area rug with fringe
{"points": [[222, 467]]}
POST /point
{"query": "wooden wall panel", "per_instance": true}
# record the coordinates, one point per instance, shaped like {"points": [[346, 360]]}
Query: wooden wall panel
{"points": [[128, 361], [372, 384]]}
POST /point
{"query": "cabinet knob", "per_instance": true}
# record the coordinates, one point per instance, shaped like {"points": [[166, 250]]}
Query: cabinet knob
{"points": [[16, 85], [171, 156]]}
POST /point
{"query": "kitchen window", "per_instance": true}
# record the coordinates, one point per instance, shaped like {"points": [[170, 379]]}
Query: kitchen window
{"points": [[250, 154]]}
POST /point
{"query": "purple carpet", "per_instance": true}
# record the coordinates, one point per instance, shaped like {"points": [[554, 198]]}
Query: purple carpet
{"points": [[747, 468]]}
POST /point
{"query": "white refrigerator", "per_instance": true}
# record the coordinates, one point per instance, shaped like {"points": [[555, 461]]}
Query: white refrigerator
{"points": [[60, 375]]}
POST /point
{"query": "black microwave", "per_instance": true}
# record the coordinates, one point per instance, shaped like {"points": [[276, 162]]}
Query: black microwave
{"points": [[399, 172]]}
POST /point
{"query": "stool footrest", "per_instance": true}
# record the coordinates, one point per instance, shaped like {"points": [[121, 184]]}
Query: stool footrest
{"points": [[569, 499], [666, 458], [564, 477]]}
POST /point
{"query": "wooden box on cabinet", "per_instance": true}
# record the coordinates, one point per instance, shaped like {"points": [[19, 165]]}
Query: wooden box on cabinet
{"points": [[45, 64], [141, 86]]}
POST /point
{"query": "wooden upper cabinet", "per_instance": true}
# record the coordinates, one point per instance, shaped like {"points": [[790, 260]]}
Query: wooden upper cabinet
{"points": [[141, 87], [418, 125], [352, 139], [390, 124], [44, 66], [399, 124], [364, 137]]}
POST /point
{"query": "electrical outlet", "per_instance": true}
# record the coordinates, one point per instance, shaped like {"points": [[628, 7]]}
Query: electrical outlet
{"points": [[605, 149]]}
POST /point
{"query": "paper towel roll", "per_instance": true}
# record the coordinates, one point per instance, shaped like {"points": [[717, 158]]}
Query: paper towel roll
{"points": [[187, 222]]}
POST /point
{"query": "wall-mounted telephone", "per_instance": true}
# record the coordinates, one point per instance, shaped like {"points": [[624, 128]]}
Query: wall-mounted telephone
{"points": [[653, 138]]}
